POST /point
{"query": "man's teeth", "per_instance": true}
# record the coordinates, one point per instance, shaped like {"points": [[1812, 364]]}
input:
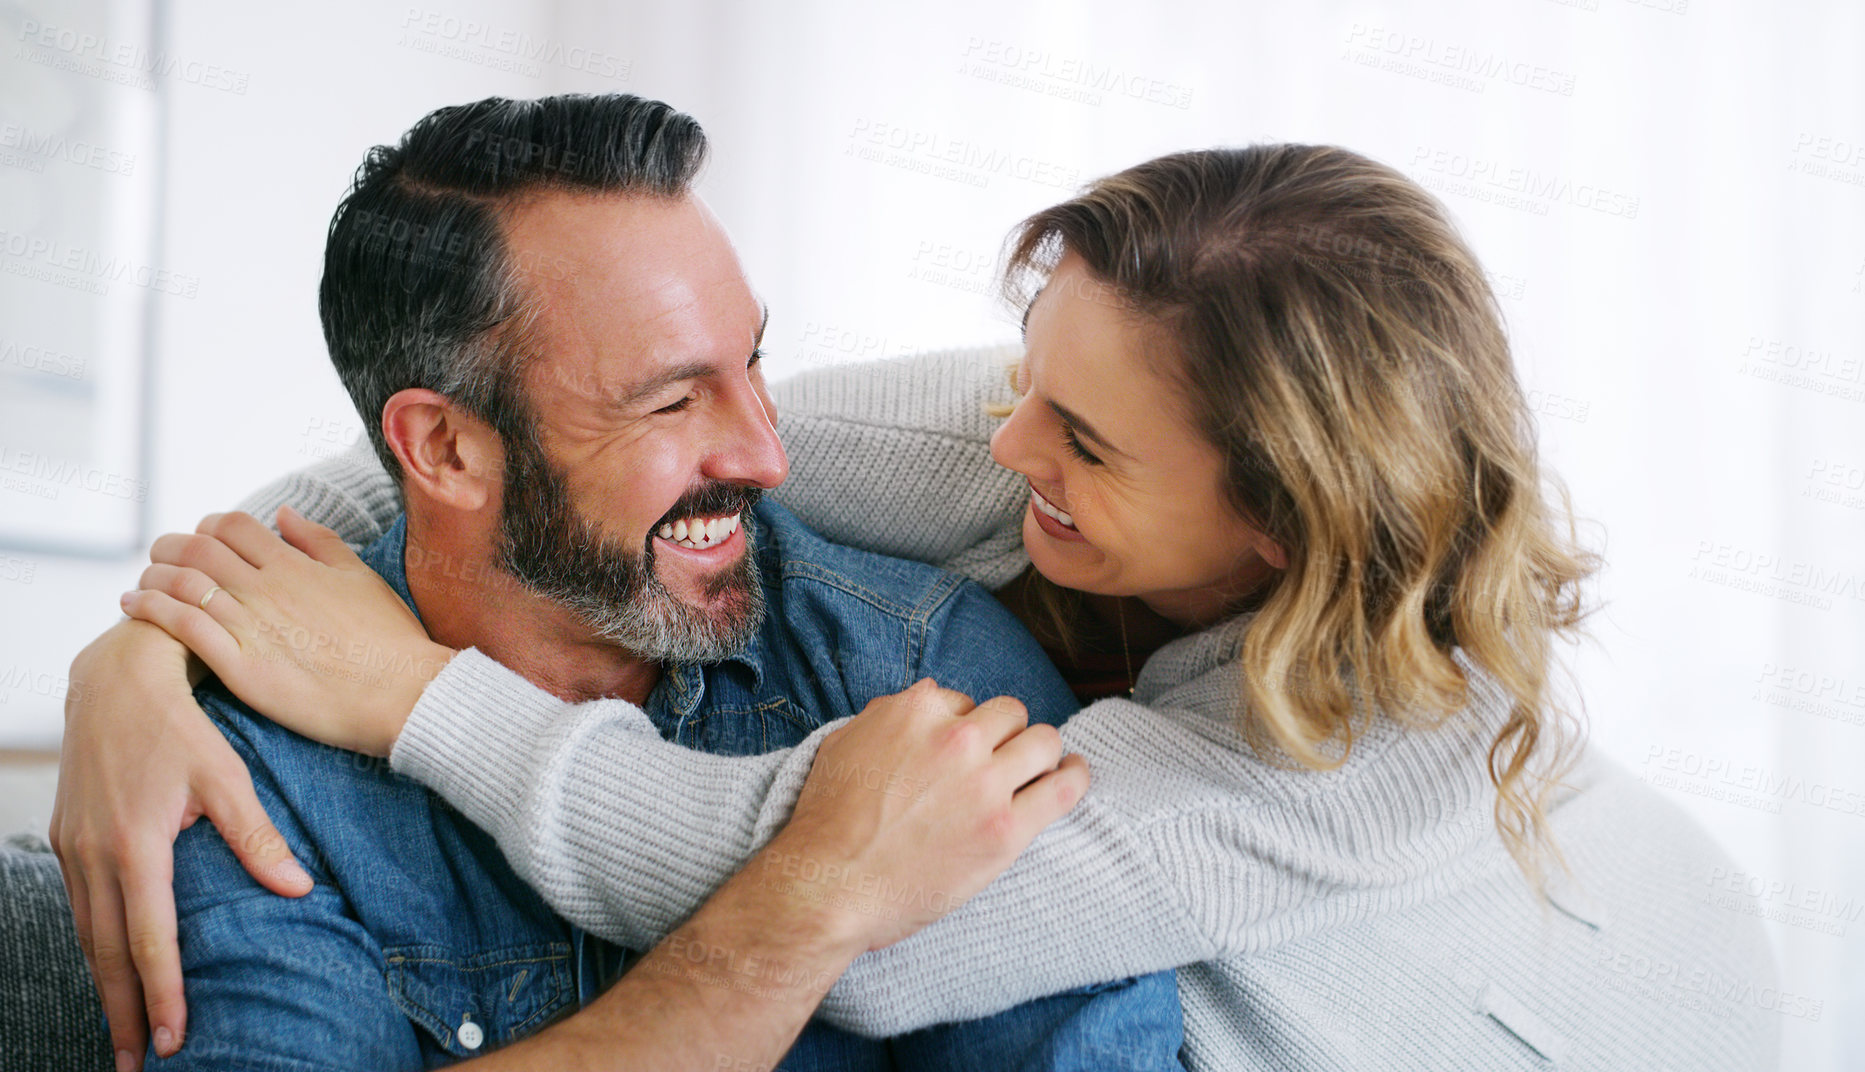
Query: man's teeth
{"points": [[1046, 507], [699, 533]]}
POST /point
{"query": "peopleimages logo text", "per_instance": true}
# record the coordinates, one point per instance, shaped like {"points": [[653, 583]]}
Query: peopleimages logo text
{"points": [[128, 56], [55, 473]]}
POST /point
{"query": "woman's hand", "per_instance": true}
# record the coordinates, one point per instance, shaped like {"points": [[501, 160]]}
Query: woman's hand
{"points": [[302, 631], [140, 763], [917, 804]]}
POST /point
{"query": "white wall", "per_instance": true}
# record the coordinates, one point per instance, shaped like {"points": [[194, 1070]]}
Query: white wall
{"points": [[242, 388], [1668, 346]]}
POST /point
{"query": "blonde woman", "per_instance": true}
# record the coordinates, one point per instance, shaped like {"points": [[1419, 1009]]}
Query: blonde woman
{"points": [[1270, 494]]}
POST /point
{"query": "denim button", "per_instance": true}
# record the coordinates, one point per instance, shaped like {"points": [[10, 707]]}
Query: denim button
{"points": [[471, 1035]]}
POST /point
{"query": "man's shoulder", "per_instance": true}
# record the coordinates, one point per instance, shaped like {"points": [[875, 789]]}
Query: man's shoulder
{"points": [[953, 629], [278, 756], [231, 713], [802, 557]]}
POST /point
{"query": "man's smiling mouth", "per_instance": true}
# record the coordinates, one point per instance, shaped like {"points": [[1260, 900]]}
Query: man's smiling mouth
{"points": [[699, 533]]}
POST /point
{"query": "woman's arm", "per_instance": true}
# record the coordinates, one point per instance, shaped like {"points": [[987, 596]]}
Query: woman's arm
{"points": [[853, 430], [563, 788], [140, 762], [888, 456], [734, 984], [626, 833], [349, 493], [521, 764], [895, 457]]}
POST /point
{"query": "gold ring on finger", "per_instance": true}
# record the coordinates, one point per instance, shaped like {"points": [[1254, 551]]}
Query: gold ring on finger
{"points": [[208, 595]]}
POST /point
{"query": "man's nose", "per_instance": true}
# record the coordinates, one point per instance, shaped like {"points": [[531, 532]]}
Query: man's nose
{"points": [[749, 451]]}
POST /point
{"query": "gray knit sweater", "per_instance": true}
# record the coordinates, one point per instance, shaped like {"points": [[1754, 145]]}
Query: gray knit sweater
{"points": [[1365, 917]]}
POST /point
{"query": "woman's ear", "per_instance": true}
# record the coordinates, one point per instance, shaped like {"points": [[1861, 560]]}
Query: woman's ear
{"points": [[446, 454], [1272, 552]]}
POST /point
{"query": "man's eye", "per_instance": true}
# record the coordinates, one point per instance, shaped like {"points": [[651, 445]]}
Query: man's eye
{"points": [[756, 356], [677, 406]]}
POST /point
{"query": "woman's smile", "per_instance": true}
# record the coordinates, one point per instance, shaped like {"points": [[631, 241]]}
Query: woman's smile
{"points": [[1053, 520]]}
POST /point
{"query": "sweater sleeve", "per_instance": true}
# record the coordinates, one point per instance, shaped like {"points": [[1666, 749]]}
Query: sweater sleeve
{"points": [[349, 492], [626, 834], [895, 457], [623, 832], [1087, 902], [889, 456]]}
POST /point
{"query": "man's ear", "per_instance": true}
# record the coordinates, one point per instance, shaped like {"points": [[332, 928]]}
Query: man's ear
{"points": [[446, 454]]}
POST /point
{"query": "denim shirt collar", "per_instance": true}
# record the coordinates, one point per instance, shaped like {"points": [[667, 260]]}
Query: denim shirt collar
{"points": [[682, 686], [388, 556]]}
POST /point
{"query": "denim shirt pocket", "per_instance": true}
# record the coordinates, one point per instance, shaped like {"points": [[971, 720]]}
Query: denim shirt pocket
{"points": [[736, 726], [505, 993]]}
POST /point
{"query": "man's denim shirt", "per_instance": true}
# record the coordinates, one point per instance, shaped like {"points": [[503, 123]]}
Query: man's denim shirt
{"points": [[418, 946]]}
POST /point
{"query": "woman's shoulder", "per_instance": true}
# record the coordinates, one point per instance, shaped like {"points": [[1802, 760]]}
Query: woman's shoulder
{"points": [[1245, 829], [1185, 728], [1192, 765]]}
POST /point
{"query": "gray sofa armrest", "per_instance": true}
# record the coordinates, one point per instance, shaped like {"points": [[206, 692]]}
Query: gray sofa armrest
{"points": [[50, 1017]]}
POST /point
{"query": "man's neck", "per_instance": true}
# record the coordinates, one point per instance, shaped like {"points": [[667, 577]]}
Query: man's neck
{"points": [[466, 600]]}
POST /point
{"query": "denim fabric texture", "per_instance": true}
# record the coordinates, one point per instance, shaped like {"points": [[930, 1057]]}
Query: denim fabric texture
{"points": [[419, 946]]}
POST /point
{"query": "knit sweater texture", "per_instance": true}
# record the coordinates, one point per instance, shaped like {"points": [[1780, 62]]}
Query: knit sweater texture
{"points": [[1362, 917]]}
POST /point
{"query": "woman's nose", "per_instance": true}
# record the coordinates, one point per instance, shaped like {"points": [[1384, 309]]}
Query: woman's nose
{"points": [[1011, 446]]}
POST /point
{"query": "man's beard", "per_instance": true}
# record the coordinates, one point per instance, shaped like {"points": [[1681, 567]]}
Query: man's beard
{"points": [[555, 551]]}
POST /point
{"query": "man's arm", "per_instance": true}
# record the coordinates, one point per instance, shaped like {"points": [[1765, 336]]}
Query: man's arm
{"points": [[729, 990], [975, 646], [283, 985], [277, 984], [139, 763], [1127, 1025]]}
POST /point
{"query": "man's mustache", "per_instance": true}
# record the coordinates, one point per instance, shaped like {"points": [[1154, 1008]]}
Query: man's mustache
{"points": [[713, 500]]}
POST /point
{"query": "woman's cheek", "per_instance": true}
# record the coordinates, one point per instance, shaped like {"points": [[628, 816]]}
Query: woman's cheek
{"points": [[1079, 503], [1133, 523], [1106, 509]]}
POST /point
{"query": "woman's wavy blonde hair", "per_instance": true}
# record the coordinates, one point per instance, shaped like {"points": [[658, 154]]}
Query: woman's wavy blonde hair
{"points": [[1341, 347]]}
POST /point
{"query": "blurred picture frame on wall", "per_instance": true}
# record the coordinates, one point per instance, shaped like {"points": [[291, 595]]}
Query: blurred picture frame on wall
{"points": [[81, 128]]}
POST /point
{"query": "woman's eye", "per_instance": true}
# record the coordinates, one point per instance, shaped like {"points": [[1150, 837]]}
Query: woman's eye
{"points": [[1074, 445]]}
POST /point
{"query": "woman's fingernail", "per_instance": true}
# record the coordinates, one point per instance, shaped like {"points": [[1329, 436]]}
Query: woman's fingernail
{"points": [[126, 1061], [124, 599], [164, 1041]]}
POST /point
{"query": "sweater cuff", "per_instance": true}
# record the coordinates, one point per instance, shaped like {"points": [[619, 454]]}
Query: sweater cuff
{"points": [[470, 737]]}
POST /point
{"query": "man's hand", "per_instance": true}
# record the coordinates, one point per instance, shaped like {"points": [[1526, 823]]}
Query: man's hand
{"points": [[303, 631], [140, 763], [918, 803]]}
